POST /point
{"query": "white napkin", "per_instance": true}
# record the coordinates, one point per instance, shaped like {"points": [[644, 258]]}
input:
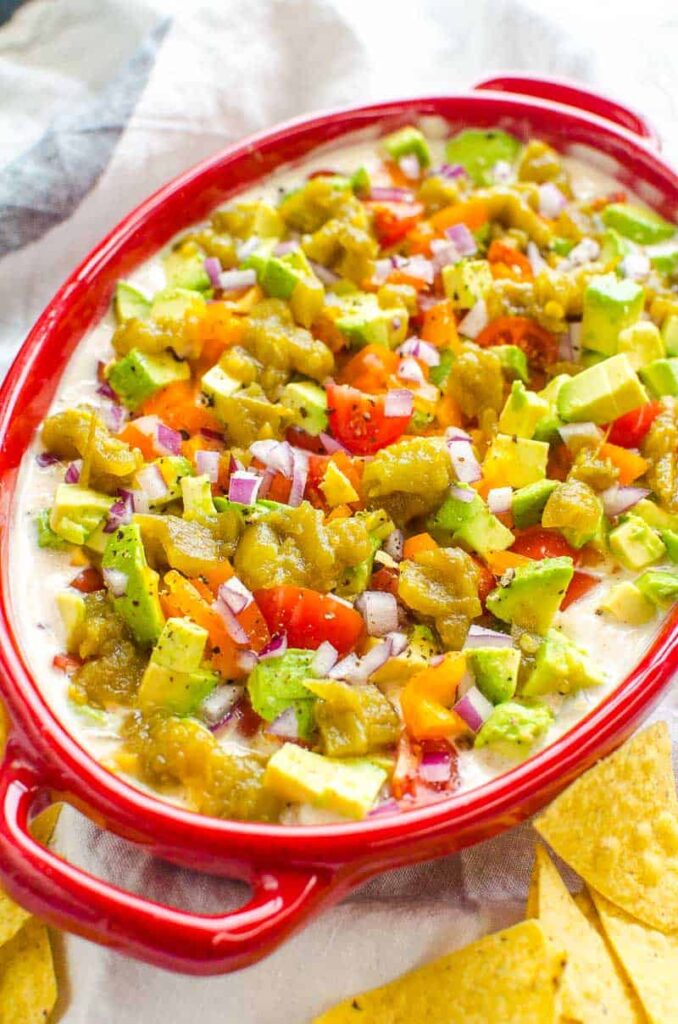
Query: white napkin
{"points": [[103, 102]]}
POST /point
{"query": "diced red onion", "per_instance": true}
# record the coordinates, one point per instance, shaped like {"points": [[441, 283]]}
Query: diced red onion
{"points": [[243, 487], [382, 269], [451, 171], [46, 459], [436, 660], [410, 166], [116, 581], [140, 502], [393, 545], [285, 726], [392, 195], [114, 416], [299, 477], [479, 636], [213, 435], [565, 347], [169, 441], [275, 647], [235, 280], [502, 172], [445, 254], [574, 330], [235, 594], [330, 444], [635, 265], [283, 248], [422, 350], [584, 252], [72, 474], [462, 239], [537, 261], [325, 659], [551, 200], [236, 632], [575, 435], [464, 494], [398, 642], [620, 499], [152, 483], [212, 267], [106, 390], [456, 434], [215, 709], [499, 500], [475, 321], [324, 274], [348, 668], [207, 463], [379, 610], [246, 248], [246, 660], [374, 659], [398, 402], [464, 461], [275, 455], [120, 513], [436, 766], [235, 465], [474, 708], [409, 369], [389, 806], [417, 267]]}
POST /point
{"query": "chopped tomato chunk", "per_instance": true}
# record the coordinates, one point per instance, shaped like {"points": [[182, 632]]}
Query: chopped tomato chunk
{"points": [[629, 430], [309, 618], [359, 421], [538, 344]]}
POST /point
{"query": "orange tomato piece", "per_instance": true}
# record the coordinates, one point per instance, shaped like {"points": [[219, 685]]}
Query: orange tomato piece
{"points": [[630, 464], [418, 543], [426, 698], [471, 212], [439, 326], [516, 264]]}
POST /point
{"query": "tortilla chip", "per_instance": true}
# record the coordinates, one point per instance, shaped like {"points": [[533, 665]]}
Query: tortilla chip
{"points": [[511, 976], [27, 982], [649, 957], [617, 826], [585, 904], [12, 916], [591, 989]]}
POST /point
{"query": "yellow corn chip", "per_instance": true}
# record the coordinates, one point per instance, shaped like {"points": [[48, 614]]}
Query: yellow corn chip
{"points": [[649, 957], [585, 904], [510, 977], [27, 983], [617, 826], [591, 989], [12, 916]]}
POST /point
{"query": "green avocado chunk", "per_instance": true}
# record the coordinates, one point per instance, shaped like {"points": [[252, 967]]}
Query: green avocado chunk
{"points": [[610, 304], [77, 512], [137, 376], [661, 377], [478, 151], [278, 683], [514, 727], [47, 538], [530, 595], [529, 501], [309, 401], [635, 543], [660, 586], [290, 277], [408, 141], [139, 605], [664, 257], [496, 671], [637, 223], [349, 786], [130, 303], [602, 392], [560, 667], [174, 679], [185, 268], [513, 362], [471, 523], [363, 321]]}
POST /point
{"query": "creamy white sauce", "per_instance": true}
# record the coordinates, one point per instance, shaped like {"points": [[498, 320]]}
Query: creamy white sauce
{"points": [[38, 575]]}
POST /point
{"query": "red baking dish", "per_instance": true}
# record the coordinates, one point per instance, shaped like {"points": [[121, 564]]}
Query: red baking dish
{"points": [[293, 872]]}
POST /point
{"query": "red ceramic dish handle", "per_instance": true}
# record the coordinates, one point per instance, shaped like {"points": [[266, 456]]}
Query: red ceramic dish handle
{"points": [[571, 95], [69, 897]]}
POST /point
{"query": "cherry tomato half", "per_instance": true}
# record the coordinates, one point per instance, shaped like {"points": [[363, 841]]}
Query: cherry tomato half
{"points": [[370, 369], [538, 344], [580, 584], [537, 542], [309, 618], [393, 220], [629, 430], [359, 422]]}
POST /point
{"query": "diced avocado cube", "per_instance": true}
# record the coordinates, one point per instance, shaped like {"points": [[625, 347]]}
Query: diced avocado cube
{"points": [[139, 606], [291, 277], [349, 786], [514, 727], [515, 461], [625, 603], [660, 586], [278, 683], [670, 540], [471, 523], [252, 219], [610, 304], [138, 375], [530, 595], [614, 247], [185, 268], [478, 151], [47, 538], [513, 362], [363, 321], [638, 223], [177, 304], [196, 492], [309, 400], [664, 257], [496, 671], [635, 543], [441, 372], [528, 502], [522, 411], [180, 646], [661, 377], [408, 141], [336, 487], [561, 667], [601, 393], [218, 386], [655, 516], [361, 183], [466, 282], [180, 693], [130, 303], [562, 246], [670, 334], [72, 610], [642, 343], [77, 511]]}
